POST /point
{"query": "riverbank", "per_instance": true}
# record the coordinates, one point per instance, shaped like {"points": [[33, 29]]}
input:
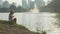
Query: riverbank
{"points": [[11, 28]]}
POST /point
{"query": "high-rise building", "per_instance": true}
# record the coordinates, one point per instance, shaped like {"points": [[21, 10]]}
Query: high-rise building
{"points": [[32, 5], [29, 2], [24, 4], [1, 3], [39, 3]]}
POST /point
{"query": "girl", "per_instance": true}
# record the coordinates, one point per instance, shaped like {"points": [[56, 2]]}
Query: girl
{"points": [[12, 18]]}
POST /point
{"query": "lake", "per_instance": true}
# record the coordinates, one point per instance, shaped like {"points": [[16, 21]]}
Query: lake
{"points": [[49, 22]]}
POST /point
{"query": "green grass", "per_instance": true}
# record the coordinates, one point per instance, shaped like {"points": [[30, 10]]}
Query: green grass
{"points": [[43, 32], [10, 23], [21, 26], [7, 27]]}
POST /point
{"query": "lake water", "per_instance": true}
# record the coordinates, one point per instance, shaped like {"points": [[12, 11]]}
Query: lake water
{"points": [[49, 22]]}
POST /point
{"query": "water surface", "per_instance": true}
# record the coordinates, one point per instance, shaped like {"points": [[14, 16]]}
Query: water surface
{"points": [[41, 21]]}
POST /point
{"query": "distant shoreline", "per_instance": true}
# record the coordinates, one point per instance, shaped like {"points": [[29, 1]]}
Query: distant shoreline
{"points": [[23, 12], [8, 12]]}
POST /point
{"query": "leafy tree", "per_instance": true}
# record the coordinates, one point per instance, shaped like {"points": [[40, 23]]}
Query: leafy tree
{"points": [[55, 4], [6, 4], [13, 6]]}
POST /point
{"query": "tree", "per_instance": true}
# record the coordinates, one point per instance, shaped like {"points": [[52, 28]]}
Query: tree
{"points": [[55, 4], [6, 4], [13, 6], [20, 9]]}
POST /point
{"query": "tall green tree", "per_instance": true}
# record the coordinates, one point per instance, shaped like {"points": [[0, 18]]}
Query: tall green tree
{"points": [[55, 4], [13, 6]]}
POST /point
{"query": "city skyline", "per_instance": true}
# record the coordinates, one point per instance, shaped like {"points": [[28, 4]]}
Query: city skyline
{"points": [[19, 2]]}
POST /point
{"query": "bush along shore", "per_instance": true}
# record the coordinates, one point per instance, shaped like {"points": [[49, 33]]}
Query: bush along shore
{"points": [[7, 27]]}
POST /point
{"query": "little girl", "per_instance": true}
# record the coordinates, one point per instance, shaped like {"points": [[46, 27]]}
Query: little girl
{"points": [[12, 18]]}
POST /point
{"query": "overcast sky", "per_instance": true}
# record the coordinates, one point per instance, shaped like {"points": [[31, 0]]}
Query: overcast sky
{"points": [[19, 2]]}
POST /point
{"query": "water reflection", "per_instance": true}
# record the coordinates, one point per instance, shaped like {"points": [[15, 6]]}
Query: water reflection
{"points": [[46, 21], [41, 21], [50, 22], [57, 20]]}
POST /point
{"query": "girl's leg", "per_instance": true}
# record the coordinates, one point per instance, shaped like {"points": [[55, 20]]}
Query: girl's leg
{"points": [[15, 20]]}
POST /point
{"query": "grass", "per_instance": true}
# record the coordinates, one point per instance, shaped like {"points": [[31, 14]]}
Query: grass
{"points": [[21, 26], [13, 28], [7, 27], [10, 23], [43, 32]]}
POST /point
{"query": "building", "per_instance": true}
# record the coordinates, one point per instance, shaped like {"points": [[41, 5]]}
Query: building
{"points": [[29, 2], [40, 3], [24, 4], [32, 5], [1, 3]]}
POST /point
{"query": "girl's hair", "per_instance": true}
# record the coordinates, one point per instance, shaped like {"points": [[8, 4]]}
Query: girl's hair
{"points": [[12, 12]]}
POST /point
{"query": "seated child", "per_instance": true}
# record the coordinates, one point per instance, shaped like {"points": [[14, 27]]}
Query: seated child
{"points": [[12, 18]]}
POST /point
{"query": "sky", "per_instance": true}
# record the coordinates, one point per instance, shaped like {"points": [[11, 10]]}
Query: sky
{"points": [[19, 2]]}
